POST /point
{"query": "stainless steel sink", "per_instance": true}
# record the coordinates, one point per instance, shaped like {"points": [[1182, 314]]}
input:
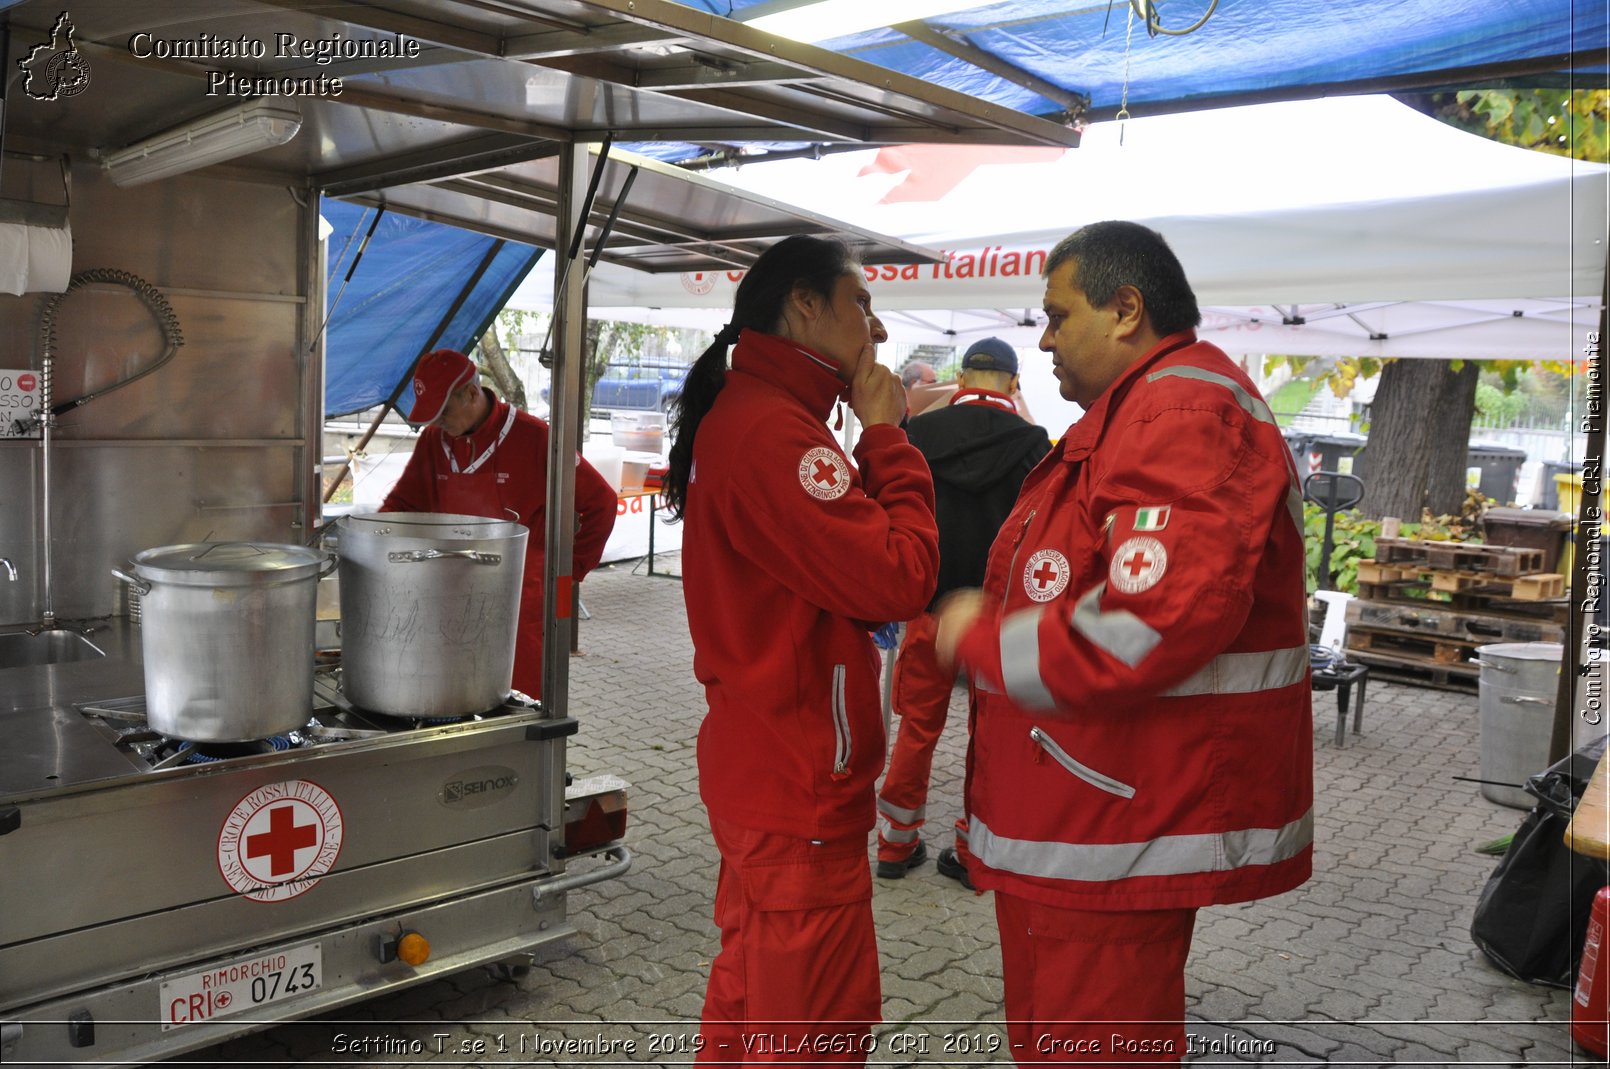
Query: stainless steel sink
{"points": [[22, 650]]}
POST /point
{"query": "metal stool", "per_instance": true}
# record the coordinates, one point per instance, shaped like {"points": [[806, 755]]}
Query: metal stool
{"points": [[1342, 678]]}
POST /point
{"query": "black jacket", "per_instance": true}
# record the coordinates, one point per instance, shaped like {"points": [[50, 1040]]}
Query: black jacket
{"points": [[979, 454]]}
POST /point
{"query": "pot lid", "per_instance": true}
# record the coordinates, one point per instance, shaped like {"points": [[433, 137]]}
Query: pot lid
{"points": [[229, 563], [1523, 651], [429, 525]]}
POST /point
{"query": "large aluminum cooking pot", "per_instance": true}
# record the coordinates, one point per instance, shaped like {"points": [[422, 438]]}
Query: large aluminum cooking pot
{"points": [[227, 630], [430, 603]]}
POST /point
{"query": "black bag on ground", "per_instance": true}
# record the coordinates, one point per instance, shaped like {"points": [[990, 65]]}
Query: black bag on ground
{"points": [[1532, 916]]}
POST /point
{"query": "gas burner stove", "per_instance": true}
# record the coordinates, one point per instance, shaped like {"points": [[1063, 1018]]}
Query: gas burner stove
{"points": [[331, 719]]}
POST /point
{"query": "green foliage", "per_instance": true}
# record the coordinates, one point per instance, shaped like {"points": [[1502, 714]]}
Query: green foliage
{"points": [[1538, 387], [1353, 540], [1562, 122], [1497, 404], [1291, 398], [1296, 363]]}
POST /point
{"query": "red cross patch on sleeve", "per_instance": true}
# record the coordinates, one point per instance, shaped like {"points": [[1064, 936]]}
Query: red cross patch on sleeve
{"points": [[823, 474], [1137, 565]]}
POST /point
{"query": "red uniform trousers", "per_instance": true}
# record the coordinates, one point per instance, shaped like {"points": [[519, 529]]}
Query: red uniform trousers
{"points": [[921, 695], [796, 981], [1093, 988], [528, 641]]}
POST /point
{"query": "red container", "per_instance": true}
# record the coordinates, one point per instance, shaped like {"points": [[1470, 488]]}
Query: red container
{"points": [[1589, 1007]]}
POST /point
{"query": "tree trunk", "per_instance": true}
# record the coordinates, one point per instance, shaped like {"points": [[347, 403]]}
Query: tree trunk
{"points": [[495, 364], [1396, 464], [1450, 434]]}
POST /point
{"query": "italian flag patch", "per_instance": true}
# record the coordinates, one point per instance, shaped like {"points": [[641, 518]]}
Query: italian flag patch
{"points": [[1153, 518]]}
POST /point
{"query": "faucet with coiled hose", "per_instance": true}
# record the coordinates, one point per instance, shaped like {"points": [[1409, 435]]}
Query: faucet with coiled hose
{"points": [[49, 307]]}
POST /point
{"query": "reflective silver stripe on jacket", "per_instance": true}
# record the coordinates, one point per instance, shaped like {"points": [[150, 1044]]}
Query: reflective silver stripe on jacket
{"points": [[1245, 673], [1254, 408], [1020, 660], [1167, 855], [1119, 632], [1252, 405], [902, 816]]}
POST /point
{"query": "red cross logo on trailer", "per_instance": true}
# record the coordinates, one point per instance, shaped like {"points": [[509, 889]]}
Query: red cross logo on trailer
{"points": [[823, 474], [279, 840], [1045, 575], [1137, 565]]}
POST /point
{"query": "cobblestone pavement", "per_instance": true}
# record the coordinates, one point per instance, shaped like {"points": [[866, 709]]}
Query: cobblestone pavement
{"points": [[1369, 964]]}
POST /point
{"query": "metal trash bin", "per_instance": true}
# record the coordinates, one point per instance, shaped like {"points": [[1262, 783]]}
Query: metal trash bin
{"points": [[1332, 452], [1298, 442], [1500, 470], [1548, 496], [1518, 684]]}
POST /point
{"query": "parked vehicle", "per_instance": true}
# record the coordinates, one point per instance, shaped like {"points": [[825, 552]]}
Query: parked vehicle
{"points": [[639, 387]]}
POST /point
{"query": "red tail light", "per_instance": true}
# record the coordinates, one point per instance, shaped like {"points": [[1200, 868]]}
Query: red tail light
{"points": [[595, 814]]}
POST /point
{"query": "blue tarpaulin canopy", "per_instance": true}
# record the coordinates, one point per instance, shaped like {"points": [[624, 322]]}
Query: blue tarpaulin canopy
{"points": [[417, 286], [1247, 50], [1085, 61]]}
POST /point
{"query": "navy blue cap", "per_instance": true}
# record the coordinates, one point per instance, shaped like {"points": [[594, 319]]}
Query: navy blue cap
{"points": [[990, 354]]}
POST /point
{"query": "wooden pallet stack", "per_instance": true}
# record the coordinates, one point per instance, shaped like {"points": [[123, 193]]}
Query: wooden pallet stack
{"points": [[1424, 607]]}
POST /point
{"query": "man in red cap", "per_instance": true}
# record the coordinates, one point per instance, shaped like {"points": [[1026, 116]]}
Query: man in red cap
{"points": [[479, 456]]}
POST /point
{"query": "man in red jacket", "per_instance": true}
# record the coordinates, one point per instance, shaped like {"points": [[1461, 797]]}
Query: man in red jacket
{"points": [[480, 456], [1142, 738]]}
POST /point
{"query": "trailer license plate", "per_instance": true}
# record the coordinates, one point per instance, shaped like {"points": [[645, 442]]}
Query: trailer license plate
{"points": [[241, 985]]}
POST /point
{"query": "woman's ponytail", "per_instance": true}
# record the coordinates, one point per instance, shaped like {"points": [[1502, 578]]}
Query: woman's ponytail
{"points": [[799, 262], [705, 379]]}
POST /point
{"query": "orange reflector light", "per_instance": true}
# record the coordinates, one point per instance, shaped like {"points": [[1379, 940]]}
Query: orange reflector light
{"points": [[413, 948]]}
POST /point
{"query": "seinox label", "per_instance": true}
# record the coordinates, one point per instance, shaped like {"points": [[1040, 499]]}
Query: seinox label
{"points": [[477, 787]]}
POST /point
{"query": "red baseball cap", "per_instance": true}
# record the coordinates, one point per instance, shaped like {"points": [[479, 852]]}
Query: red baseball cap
{"points": [[436, 376]]}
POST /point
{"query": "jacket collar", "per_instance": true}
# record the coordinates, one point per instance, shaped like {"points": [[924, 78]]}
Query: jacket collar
{"points": [[790, 367], [980, 396], [1082, 437]]}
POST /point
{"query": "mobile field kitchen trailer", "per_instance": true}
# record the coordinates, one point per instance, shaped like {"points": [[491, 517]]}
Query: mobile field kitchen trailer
{"points": [[203, 839]]}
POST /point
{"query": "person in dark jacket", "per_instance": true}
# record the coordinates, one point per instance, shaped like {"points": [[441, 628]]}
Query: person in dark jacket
{"points": [[980, 451]]}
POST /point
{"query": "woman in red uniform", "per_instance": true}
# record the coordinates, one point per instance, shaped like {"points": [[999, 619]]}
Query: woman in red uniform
{"points": [[791, 553]]}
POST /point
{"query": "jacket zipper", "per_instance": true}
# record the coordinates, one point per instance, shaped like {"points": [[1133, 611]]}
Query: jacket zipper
{"points": [[1089, 775], [1022, 530], [841, 725]]}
